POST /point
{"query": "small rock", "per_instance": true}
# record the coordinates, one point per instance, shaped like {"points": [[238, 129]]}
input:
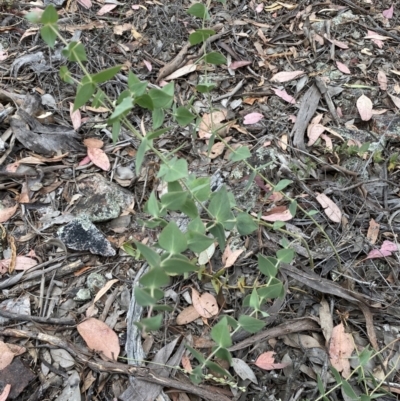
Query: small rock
{"points": [[62, 357], [95, 281], [83, 294], [82, 235]]}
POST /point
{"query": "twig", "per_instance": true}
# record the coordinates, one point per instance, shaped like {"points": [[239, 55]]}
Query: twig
{"points": [[36, 319], [116, 367]]}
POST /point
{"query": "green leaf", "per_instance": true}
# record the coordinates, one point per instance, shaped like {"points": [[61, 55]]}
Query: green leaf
{"points": [[183, 116], [158, 118], [220, 207], [154, 278], [254, 300], [172, 239], [163, 308], [34, 17], [220, 334], [190, 209], [106, 75], [150, 323], [282, 184], [75, 52], [223, 354], [365, 356], [152, 206], [145, 101], [157, 133], [152, 257], [160, 98], [348, 390], [143, 298], [175, 170], [274, 290], [214, 367], [65, 75], [98, 99], [174, 200], [232, 322], [251, 324], [49, 15], [121, 110], [278, 224], [197, 225], [215, 58], [293, 208], [198, 242], [285, 255], [312, 212], [268, 265], [200, 187], [336, 375], [196, 375], [245, 224], [49, 34], [83, 94], [199, 10], [218, 232], [239, 154], [137, 87], [320, 386], [205, 87], [116, 129], [200, 36], [178, 264], [140, 155]]}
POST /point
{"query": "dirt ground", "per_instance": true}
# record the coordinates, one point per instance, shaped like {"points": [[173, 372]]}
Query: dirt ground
{"points": [[313, 89]]}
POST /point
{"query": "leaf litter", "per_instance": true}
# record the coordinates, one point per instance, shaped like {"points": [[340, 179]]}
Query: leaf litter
{"points": [[319, 137]]}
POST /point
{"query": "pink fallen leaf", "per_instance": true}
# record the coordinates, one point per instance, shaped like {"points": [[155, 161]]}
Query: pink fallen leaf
{"points": [[148, 65], [3, 55], [106, 9], [238, 64], [375, 36], [99, 158], [284, 95], [229, 257], [278, 215], [21, 263], [85, 3], [84, 161], [76, 117], [6, 355], [364, 106], [340, 349], [343, 67], [93, 143], [286, 76], [266, 361], [395, 100], [252, 118], [206, 305], [337, 43], [187, 315], [216, 150], [328, 141], [331, 210], [314, 131], [382, 79], [7, 213], [386, 249], [389, 12], [6, 391], [259, 8], [100, 337], [261, 184], [136, 7]]}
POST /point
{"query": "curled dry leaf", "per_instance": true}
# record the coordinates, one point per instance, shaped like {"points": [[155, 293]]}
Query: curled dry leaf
{"points": [[284, 95], [213, 123], [99, 158], [76, 117], [206, 305], [93, 143], [395, 100], [386, 249], [340, 350], [99, 337], [187, 315], [364, 106], [229, 257], [326, 321], [331, 210], [238, 64], [266, 361], [21, 263], [279, 213], [6, 391], [373, 231]]}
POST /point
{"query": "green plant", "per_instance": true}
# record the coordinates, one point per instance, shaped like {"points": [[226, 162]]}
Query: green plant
{"points": [[210, 214]]}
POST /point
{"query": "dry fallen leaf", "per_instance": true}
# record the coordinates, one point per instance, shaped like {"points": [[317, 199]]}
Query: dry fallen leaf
{"points": [[100, 337], [229, 257], [364, 106], [331, 210], [373, 231], [286, 76], [326, 321], [206, 304], [252, 118], [213, 123], [76, 117], [279, 213], [187, 315], [99, 158], [6, 355], [7, 213], [93, 143], [6, 391], [340, 350], [266, 361], [382, 79]]}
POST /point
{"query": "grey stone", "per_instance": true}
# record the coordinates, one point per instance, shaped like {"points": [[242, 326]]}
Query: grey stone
{"points": [[82, 235]]}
